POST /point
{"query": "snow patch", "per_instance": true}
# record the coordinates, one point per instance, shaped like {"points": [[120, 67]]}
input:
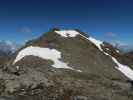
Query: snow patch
{"points": [[68, 33], [44, 53], [98, 43], [17, 67], [107, 49], [127, 71], [117, 51]]}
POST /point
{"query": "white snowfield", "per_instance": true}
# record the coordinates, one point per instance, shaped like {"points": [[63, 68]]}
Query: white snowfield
{"points": [[44, 53]]}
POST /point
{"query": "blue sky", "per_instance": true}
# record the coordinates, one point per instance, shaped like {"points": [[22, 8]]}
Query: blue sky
{"points": [[110, 20]]}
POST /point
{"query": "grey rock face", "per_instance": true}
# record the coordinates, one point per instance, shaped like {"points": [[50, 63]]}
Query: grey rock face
{"points": [[6, 98]]}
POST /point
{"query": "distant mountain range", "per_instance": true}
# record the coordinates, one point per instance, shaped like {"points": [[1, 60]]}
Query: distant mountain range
{"points": [[126, 48], [7, 48]]}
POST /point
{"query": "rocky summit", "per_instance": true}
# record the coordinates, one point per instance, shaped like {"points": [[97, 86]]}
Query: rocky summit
{"points": [[67, 65]]}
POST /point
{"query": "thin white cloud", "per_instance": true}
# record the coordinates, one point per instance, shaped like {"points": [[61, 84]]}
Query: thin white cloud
{"points": [[110, 34], [24, 30]]}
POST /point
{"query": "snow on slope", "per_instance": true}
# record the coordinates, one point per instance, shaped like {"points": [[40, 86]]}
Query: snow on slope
{"points": [[126, 70], [98, 43], [68, 33], [44, 53]]}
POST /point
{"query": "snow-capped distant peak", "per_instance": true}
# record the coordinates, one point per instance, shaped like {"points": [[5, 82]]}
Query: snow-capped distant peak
{"points": [[67, 33]]}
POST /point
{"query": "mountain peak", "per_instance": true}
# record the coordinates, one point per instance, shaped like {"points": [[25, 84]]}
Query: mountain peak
{"points": [[67, 59], [62, 40]]}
